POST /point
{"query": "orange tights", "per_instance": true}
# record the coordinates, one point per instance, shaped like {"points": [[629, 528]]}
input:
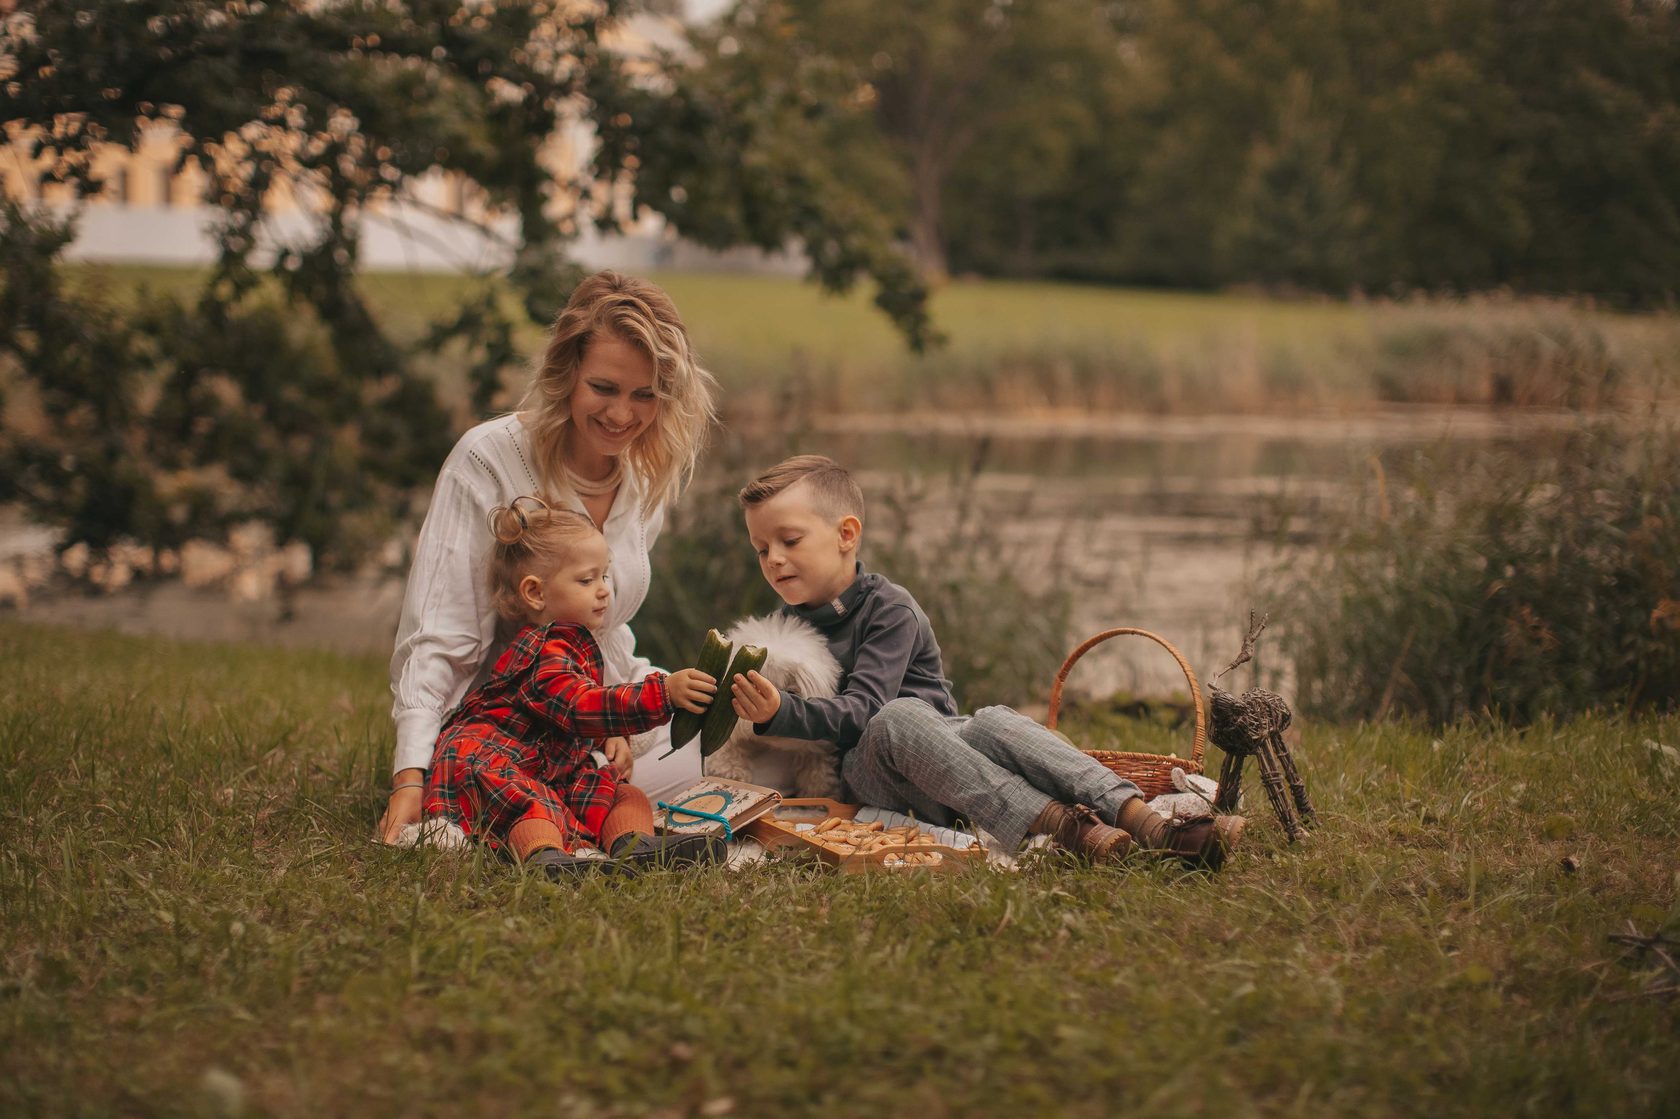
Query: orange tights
{"points": [[630, 812]]}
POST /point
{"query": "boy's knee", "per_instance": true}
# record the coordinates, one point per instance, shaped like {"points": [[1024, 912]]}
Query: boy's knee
{"points": [[908, 729], [903, 714], [1001, 718], [1005, 724]]}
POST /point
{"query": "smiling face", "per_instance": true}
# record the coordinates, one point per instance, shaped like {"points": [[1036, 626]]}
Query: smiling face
{"points": [[808, 558], [577, 592], [613, 402]]}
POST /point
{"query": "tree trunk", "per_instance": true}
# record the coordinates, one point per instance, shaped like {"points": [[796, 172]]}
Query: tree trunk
{"points": [[927, 241]]}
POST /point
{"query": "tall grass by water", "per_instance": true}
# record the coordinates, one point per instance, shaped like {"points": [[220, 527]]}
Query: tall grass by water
{"points": [[777, 343], [193, 922], [1525, 583]]}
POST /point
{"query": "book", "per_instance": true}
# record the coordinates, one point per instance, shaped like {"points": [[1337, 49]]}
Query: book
{"points": [[713, 806]]}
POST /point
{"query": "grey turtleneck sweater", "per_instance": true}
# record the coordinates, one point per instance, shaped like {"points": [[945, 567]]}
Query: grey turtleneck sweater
{"points": [[886, 650]]}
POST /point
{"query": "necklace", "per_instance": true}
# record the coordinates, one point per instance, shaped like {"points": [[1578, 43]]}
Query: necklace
{"points": [[589, 487]]}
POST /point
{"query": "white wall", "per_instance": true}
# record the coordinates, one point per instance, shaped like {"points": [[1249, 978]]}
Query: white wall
{"points": [[400, 239]]}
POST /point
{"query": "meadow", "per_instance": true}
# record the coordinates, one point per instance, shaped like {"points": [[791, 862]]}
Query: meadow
{"points": [[194, 922], [778, 344]]}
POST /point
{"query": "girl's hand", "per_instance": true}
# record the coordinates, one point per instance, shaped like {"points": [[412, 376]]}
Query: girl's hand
{"points": [[619, 756], [404, 806], [691, 689], [756, 699]]}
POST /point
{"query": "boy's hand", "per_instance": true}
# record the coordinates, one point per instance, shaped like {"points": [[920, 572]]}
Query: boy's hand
{"points": [[619, 756], [756, 699], [691, 689]]}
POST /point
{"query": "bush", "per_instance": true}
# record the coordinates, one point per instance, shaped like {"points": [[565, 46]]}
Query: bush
{"points": [[1520, 584], [168, 421]]}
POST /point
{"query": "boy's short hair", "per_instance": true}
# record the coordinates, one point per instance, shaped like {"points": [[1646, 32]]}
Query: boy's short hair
{"points": [[834, 492]]}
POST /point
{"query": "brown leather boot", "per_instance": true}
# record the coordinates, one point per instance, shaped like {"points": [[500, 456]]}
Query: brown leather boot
{"points": [[1202, 842], [1074, 827]]}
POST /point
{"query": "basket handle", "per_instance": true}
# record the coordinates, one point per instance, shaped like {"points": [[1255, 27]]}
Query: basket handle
{"points": [[1199, 745]]}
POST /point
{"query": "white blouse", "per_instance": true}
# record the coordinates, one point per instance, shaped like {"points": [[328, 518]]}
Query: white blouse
{"points": [[450, 634]]}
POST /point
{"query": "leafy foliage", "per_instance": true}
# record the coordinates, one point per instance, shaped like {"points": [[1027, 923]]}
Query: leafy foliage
{"points": [[768, 117], [1522, 584], [280, 378], [165, 421], [903, 100], [1320, 144]]}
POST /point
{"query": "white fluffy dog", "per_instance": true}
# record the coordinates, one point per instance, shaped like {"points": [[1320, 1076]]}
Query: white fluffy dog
{"points": [[799, 663]]}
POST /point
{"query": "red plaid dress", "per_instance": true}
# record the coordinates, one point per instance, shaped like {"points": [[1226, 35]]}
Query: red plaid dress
{"points": [[518, 747]]}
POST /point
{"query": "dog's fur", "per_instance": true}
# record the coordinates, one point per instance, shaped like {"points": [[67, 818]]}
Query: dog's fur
{"points": [[799, 663]]}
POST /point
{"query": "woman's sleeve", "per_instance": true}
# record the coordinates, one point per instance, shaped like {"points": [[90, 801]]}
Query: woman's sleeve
{"points": [[622, 664], [447, 625]]}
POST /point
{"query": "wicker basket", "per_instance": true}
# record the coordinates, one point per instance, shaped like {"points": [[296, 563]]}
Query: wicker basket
{"points": [[1150, 772]]}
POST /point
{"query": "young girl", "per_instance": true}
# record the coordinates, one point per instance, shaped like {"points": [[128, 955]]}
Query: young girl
{"points": [[534, 760]]}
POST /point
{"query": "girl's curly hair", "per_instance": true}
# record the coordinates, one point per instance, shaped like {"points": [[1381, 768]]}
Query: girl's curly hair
{"points": [[531, 538]]}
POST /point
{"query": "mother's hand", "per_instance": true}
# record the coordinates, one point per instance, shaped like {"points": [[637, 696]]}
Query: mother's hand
{"points": [[403, 807]]}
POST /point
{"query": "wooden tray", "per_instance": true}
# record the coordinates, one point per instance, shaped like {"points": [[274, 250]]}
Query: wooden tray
{"points": [[777, 830]]}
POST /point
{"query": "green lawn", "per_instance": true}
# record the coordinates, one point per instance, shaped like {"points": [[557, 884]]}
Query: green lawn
{"points": [[1036, 346], [193, 922]]}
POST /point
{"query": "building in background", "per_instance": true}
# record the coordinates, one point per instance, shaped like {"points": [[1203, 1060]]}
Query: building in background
{"points": [[153, 214]]}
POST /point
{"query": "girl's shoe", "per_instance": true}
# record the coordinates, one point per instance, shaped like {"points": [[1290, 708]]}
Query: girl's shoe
{"points": [[564, 866], [645, 852]]}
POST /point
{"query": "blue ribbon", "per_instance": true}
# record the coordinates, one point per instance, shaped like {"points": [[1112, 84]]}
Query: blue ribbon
{"points": [[728, 832]]}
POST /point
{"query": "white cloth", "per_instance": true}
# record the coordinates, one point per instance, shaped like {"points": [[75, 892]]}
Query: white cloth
{"points": [[449, 635], [1192, 801]]}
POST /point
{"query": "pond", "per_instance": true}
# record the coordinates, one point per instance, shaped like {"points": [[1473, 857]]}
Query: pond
{"points": [[1159, 523]]}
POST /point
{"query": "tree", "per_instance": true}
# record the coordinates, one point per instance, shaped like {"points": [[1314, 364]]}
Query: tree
{"points": [[942, 80], [276, 393]]}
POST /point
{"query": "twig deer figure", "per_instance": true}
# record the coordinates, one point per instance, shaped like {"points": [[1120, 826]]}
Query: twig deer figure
{"points": [[1253, 723]]}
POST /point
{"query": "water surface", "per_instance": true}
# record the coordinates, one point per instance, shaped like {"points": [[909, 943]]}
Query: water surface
{"points": [[1160, 523]]}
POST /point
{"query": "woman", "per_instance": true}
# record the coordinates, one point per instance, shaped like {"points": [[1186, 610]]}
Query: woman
{"points": [[611, 427]]}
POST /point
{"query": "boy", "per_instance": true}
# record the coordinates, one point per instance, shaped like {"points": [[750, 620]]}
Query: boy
{"points": [[903, 746]]}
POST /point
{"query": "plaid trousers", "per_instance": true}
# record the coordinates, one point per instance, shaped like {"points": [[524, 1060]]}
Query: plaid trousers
{"points": [[996, 768]]}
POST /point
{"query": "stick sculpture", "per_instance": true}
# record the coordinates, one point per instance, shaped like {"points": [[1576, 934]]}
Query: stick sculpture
{"points": [[1253, 723]]}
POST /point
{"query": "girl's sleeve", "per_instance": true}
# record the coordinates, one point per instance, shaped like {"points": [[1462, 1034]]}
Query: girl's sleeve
{"points": [[562, 690], [447, 624]]}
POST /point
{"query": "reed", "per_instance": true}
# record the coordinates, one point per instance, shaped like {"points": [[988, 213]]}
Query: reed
{"points": [[1526, 583]]}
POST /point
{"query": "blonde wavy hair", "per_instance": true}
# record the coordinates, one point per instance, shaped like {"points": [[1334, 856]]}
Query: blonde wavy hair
{"points": [[531, 538], [641, 314]]}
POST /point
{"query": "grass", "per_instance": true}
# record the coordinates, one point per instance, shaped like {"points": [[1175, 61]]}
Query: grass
{"points": [[193, 922], [1026, 347]]}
